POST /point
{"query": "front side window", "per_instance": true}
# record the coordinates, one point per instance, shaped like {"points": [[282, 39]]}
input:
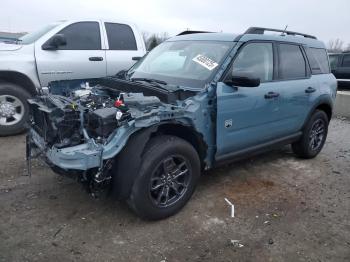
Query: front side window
{"points": [[292, 64], [82, 36], [333, 61], [318, 60], [256, 60], [120, 37], [346, 61]]}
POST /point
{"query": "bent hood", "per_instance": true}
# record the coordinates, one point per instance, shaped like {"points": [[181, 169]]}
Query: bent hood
{"points": [[9, 47]]}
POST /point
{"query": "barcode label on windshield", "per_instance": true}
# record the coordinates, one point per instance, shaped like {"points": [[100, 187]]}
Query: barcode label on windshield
{"points": [[205, 61]]}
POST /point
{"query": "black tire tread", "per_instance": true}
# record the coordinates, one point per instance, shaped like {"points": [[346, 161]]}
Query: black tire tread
{"points": [[301, 147], [153, 148]]}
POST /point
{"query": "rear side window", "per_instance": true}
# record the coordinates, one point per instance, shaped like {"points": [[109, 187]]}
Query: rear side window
{"points": [[291, 62], [346, 61], [120, 37], [318, 60], [82, 36]]}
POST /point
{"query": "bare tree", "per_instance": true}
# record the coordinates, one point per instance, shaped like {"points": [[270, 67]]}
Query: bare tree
{"points": [[152, 40], [335, 45], [145, 36]]}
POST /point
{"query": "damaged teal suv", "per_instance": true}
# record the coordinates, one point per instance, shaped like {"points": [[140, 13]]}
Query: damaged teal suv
{"points": [[194, 102]]}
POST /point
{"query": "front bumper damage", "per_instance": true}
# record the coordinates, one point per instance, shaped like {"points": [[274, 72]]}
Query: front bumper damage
{"points": [[80, 157], [90, 161]]}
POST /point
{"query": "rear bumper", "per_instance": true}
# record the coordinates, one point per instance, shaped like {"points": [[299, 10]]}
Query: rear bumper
{"points": [[80, 157]]}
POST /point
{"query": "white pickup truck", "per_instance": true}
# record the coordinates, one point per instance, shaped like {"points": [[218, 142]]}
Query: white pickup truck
{"points": [[63, 50]]}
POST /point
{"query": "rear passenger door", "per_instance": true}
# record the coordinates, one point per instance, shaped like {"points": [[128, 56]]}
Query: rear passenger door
{"points": [[295, 86], [121, 47]]}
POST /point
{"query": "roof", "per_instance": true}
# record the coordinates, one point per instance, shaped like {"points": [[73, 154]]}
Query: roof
{"points": [[249, 37], [205, 37], [339, 53], [285, 38]]}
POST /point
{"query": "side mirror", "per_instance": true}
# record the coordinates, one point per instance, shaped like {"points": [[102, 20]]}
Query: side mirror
{"points": [[244, 80], [54, 42], [121, 74]]}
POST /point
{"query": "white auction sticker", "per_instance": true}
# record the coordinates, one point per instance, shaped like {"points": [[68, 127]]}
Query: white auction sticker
{"points": [[205, 61]]}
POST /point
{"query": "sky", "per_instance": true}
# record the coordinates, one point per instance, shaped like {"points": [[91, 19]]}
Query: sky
{"points": [[325, 19]]}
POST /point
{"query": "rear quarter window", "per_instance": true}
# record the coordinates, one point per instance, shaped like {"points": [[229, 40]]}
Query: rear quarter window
{"points": [[318, 59]]}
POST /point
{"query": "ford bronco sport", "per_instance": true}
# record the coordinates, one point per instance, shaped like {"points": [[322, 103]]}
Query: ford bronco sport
{"points": [[192, 103]]}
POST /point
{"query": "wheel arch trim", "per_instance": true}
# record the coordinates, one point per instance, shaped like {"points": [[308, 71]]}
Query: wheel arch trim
{"points": [[135, 146], [324, 103], [18, 78]]}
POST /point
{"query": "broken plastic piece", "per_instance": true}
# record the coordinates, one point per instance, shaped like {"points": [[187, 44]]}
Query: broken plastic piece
{"points": [[232, 207]]}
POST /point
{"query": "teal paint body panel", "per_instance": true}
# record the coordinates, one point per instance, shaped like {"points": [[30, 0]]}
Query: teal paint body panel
{"points": [[231, 118]]}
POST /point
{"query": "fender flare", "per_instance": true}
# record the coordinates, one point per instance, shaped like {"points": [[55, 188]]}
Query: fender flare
{"points": [[128, 161], [322, 100], [125, 168], [19, 79]]}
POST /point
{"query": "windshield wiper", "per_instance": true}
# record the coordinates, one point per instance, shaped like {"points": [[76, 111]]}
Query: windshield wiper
{"points": [[158, 83]]}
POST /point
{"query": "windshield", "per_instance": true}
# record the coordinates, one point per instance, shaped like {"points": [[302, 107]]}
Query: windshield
{"points": [[32, 37], [184, 63]]}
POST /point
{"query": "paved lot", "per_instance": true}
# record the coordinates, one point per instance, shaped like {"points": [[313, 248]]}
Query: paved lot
{"points": [[287, 209]]}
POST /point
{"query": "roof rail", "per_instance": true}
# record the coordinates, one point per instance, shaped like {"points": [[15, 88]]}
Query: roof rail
{"points": [[261, 31], [188, 32]]}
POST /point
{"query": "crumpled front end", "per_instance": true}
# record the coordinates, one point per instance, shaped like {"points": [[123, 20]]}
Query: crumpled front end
{"points": [[81, 131], [83, 128]]}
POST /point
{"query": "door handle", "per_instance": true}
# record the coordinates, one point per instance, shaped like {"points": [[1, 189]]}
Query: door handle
{"points": [[136, 58], [270, 95], [310, 90], [96, 58]]}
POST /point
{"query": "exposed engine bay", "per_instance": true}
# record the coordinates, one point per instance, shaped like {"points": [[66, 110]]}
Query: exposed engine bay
{"points": [[79, 126], [87, 112]]}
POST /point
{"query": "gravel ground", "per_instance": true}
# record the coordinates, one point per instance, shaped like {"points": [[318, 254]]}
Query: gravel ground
{"points": [[287, 209]]}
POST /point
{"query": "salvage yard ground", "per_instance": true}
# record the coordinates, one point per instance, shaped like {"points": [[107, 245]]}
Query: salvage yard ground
{"points": [[287, 209]]}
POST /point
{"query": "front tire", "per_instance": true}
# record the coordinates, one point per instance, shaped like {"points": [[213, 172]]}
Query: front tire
{"points": [[168, 175], [314, 136], [14, 109]]}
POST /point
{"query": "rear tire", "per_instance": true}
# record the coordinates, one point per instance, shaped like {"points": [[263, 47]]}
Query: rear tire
{"points": [[314, 136], [14, 109], [169, 172]]}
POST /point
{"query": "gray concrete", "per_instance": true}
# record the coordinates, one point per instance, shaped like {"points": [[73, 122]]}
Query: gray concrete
{"points": [[287, 209], [342, 104]]}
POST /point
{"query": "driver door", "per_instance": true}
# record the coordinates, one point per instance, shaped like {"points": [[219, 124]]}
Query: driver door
{"points": [[81, 58], [248, 116]]}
